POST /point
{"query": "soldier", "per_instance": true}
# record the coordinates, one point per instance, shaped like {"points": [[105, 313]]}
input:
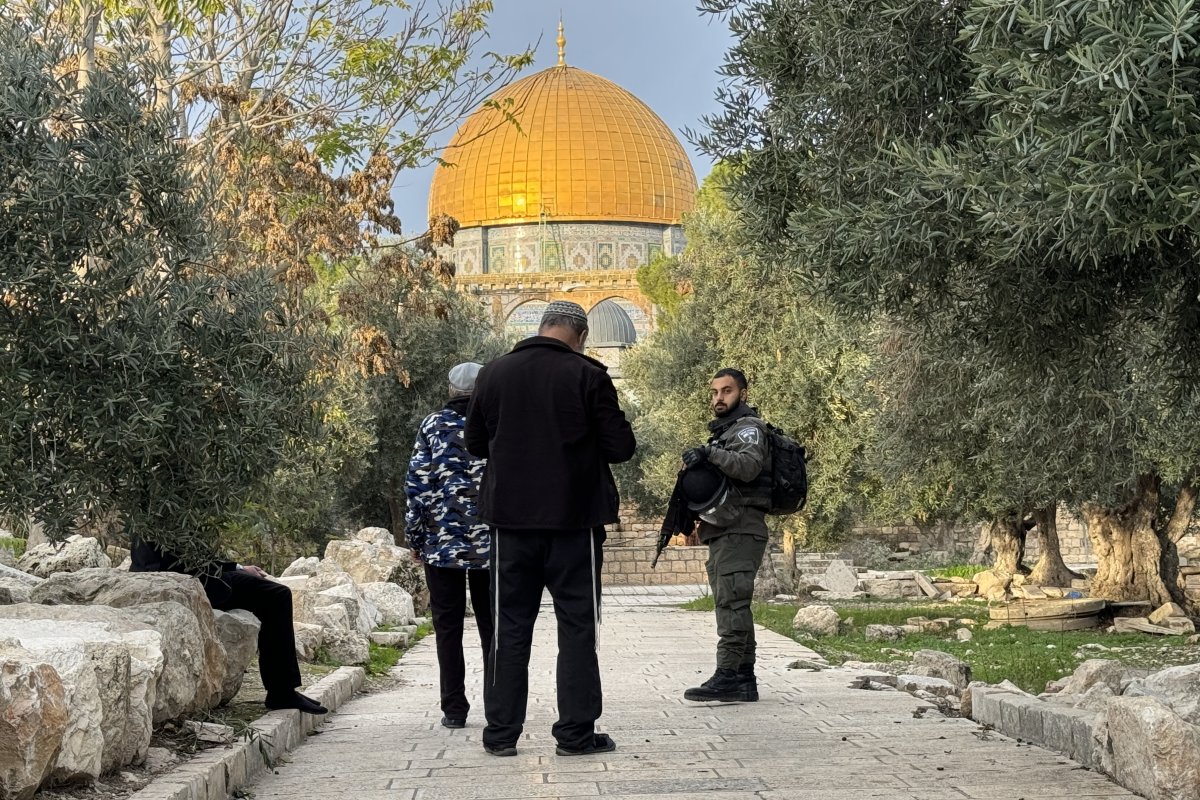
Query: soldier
{"points": [[735, 530], [445, 534]]}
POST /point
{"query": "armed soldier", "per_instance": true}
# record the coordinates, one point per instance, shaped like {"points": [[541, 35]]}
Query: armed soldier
{"points": [[738, 456]]}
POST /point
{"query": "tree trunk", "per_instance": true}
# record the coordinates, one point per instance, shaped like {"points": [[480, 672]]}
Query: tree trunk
{"points": [[983, 544], [160, 45], [1176, 529], [1129, 550], [87, 51], [793, 532], [1007, 536], [396, 509], [1050, 569]]}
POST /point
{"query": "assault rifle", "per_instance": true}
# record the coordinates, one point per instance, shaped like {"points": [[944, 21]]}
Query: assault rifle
{"points": [[664, 536]]}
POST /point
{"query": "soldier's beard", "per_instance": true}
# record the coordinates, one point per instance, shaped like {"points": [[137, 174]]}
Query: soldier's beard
{"points": [[722, 410]]}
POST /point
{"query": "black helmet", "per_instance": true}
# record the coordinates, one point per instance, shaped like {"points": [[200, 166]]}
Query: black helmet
{"points": [[703, 486]]}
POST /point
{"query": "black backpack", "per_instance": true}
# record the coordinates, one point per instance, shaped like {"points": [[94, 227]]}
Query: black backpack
{"points": [[789, 473]]}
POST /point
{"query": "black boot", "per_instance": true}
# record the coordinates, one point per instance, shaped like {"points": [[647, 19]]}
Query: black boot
{"points": [[725, 686], [745, 674]]}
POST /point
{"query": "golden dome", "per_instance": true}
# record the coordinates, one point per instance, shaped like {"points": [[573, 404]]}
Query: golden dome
{"points": [[582, 149]]}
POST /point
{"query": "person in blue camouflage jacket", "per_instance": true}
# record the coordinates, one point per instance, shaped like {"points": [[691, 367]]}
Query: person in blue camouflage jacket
{"points": [[445, 534]]}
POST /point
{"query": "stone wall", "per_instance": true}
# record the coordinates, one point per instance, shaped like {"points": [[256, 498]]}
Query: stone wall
{"points": [[630, 549]]}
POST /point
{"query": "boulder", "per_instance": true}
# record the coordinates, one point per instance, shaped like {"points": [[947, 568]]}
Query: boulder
{"points": [[108, 679], [1150, 749], [332, 616], [301, 567], [346, 647], [1164, 612], [1112, 674], [888, 589], [309, 639], [819, 620], [375, 561], [74, 554], [33, 721], [884, 633], [238, 630], [1178, 688], [7, 559], [127, 589], [380, 536], [363, 615], [963, 634], [839, 577], [992, 581], [10, 576], [936, 664], [394, 603], [179, 680]]}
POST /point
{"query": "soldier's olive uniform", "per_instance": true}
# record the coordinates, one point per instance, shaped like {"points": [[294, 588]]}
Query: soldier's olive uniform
{"points": [[740, 449]]}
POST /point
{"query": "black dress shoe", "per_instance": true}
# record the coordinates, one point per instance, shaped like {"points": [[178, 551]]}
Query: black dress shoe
{"points": [[297, 701], [453, 722], [600, 743]]}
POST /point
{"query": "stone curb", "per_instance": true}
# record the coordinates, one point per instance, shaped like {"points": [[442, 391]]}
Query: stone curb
{"points": [[1056, 727], [216, 773]]}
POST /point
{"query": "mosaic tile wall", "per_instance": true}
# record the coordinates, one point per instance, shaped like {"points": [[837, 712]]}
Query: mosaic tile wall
{"points": [[563, 246]]}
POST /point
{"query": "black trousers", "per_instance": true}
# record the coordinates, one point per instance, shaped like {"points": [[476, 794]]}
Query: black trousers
{"points": [[448, 607], [524, 562], [271, 602]]}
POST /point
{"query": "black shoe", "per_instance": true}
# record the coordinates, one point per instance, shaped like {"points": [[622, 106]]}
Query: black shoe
{"points": [[500, 749], [300, 702], [601, 743], [746, 676], [725, 686], [453, 722]]}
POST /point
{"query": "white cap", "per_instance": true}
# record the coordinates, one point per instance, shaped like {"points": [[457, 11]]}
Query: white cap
{"points": [[462, 376]]}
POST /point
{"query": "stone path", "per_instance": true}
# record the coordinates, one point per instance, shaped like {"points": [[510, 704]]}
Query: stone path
{"points": [[809, 738]]}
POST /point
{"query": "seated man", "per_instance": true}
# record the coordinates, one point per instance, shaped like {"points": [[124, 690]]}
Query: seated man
{"points": [[229, 586]]}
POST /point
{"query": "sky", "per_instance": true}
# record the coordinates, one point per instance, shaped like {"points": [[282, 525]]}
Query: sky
{"points": [[664, 51]]}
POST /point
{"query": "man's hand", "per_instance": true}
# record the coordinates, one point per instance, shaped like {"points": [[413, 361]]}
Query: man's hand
{"points": [[257, 572], [697, 455], [416, 554]]}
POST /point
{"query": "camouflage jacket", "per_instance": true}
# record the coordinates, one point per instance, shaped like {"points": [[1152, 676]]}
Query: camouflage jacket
{"points": [[442, 488]]}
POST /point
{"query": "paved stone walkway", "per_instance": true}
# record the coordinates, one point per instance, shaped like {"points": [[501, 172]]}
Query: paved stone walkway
{"points": [[809, 738]]}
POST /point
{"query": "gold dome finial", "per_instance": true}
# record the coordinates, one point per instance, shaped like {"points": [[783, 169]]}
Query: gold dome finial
{"points": [[562, 45]]}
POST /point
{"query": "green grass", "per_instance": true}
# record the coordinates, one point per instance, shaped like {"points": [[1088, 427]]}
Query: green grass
{"points": [[1028, 658], [959, 571], [15, 546], [382, 659]]}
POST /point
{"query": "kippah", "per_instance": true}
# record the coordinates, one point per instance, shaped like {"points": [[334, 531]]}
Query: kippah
{"points": [[565, 308]]}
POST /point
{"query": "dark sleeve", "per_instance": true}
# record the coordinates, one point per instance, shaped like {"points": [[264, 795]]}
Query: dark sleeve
{"points": [[613, 431], [742, 453], [148, 557], [475, 434]]}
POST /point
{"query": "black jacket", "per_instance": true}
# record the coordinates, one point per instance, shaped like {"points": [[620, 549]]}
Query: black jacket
{"points": [[740, 448], [547, 420]]}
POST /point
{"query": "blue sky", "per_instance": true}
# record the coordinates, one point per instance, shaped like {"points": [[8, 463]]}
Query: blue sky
{"points": [[664, 51]]}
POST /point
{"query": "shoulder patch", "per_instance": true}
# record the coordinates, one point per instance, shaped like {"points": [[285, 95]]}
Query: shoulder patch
{"points": [[749, 434]]}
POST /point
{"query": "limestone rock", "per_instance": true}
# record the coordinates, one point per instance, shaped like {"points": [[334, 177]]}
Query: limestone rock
{"points": [[301, 567], [991, 580], [390, 638], [817, 619], [362, 614], [127, 589], [374, 535], [394, 603], [309, 639], [1164, 612], [936, 664], [840, 577], [332, 616], [884, 633], [938, 687], [1178, 688], [33, 721], [238, 630], [374, 561], [74, 554], [1112, 674], [963, 634], [179, 679], [108, 680], [346, 647], [1150, 749], [888, 589]]}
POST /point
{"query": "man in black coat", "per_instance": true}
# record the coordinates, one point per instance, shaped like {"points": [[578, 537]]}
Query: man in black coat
{"points": [[546, 418], [229, 586]]}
